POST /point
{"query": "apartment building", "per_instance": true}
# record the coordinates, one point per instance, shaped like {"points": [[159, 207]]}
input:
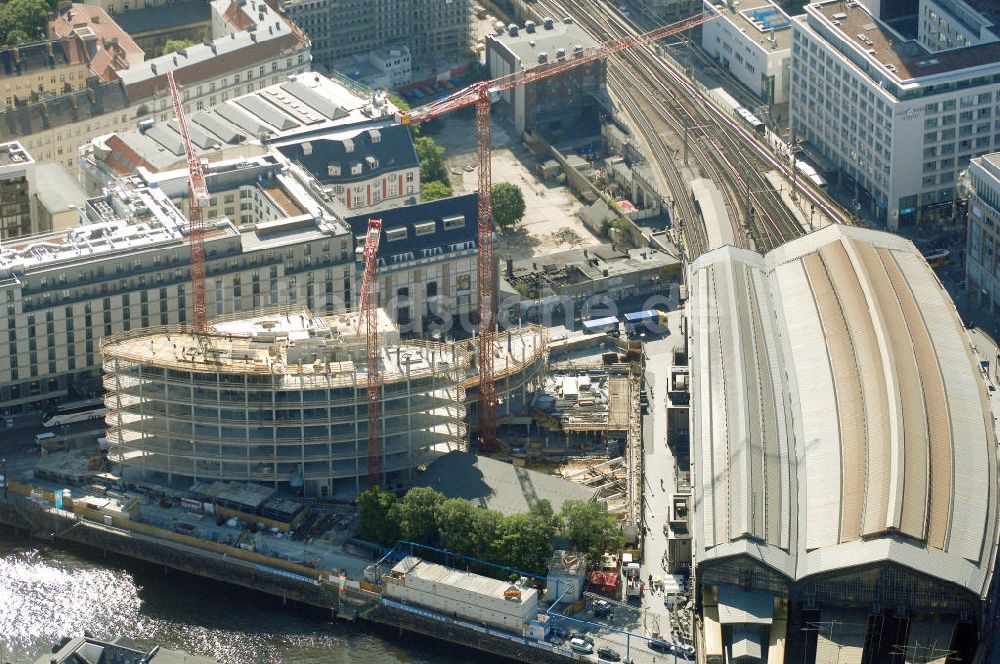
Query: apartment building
{"points": [[898, 119], [754, 44], [274, 238], [96, 38], [44, 68], [433, 30], [557, 100], [255, 47], [982, 261]]}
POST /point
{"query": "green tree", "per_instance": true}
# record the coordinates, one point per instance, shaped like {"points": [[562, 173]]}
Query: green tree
{"points": [[508, 204], [378, 516], [431, 156], [431, 191], [418, 515], [23, 20], [456, 521], [486, 527], [590, 529], [543, 510], [525, 543], [175, 45]]}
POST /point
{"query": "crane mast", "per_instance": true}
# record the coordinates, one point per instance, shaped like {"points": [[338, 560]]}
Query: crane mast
{"points": [[368, 325], [197, 202], [482, 95]]}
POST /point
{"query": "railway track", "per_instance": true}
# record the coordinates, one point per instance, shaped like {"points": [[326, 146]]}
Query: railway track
{"points": [[659, 99]]}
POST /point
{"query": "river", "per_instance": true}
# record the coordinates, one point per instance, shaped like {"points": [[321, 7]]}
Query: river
{"points": [[48, 592]]}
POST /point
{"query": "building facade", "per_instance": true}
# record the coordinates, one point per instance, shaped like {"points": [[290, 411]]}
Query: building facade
{"points": [[982, 257], [280, 398], [556, 101], [17, 184], [433, 30], [900, 121], [257, 48], [754, 45], [276, 238]]}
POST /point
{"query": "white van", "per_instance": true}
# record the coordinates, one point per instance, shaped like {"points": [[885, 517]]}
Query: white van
{"points": [[42, 437]]}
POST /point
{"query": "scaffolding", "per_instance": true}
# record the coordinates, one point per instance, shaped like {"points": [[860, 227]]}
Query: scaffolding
{"points": [[279, 398]]}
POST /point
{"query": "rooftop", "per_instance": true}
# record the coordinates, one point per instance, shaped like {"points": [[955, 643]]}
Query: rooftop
{"points": [[836, 345], [14, 153], [291, 346], [760, 23], [106, 46], [498, 485], [39, 56], [161, 17], [896, 57], [93, 651], [263, 33], [77, 106], [472, 583], [530, 41], [309, 107], [593, 263], [58, 190]]}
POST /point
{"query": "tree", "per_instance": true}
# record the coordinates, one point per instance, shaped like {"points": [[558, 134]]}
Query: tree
{"points": [[431, 191], [175, 45], [486, 527], [456, 521], [23, 20], [525, 543], [431, 157], [590, 529], [378, 516], [508, 204], [418, 515]]}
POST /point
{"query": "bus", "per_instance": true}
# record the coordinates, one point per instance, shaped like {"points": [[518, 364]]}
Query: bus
{"points": [[938, 258], [76, 411], [649, 320], [607, 325]]}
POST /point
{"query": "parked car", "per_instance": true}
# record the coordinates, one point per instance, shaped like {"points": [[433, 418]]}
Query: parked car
{"points": [[608, 654], [602, 608], [661, 645], [579, 645], [555, 640]]}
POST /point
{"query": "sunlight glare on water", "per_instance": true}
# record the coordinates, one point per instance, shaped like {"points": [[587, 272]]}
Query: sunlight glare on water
{"points": [[47, 593]]}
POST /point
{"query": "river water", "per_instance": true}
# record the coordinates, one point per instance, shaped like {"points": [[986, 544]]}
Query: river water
{"points": [[48, 592]]}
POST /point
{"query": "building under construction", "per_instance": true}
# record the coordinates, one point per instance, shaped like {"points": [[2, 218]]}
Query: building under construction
{"points": [[279, 398]]}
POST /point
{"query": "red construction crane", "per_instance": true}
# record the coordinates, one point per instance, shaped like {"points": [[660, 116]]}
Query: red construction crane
{"points": [[483, 94], [368, 324], [197, 202]]}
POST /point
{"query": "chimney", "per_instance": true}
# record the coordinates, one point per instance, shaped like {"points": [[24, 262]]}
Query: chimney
{"points": [[96, 18]]}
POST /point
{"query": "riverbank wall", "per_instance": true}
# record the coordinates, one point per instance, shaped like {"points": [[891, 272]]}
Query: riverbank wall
{"points": [[349, 600]]}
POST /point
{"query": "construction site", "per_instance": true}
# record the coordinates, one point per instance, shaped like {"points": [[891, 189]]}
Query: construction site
{"points": [[281, 398]]}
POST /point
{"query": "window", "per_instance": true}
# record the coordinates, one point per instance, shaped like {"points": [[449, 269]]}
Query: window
{"points": [[425, 228], [451, 223], [394, 234]]}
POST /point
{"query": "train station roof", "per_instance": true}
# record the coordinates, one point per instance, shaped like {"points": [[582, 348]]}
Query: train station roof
{"points": [[842, 417]]}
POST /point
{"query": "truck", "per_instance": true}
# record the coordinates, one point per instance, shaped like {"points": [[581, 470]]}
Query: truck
{"points": [[633, 580]]}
